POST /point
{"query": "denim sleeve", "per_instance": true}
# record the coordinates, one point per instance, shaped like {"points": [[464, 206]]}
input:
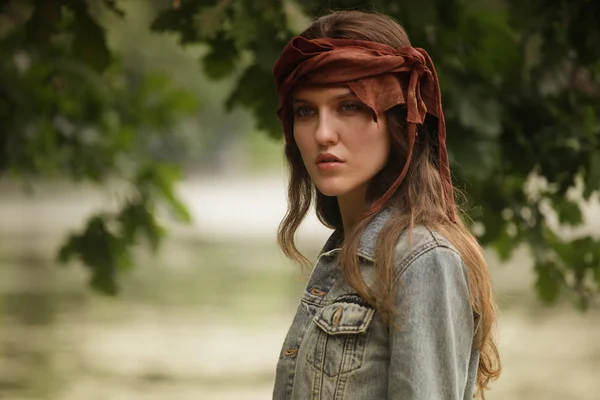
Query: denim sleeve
{"points": [[431, 346]]}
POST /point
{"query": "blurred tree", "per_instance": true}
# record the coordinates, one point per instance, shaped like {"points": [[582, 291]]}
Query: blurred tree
{"points": [[521, 88], [69, 107], [520, 81]]}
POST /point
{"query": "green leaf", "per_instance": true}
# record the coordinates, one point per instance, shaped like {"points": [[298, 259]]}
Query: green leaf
{"points": [[182, 20], [183, 102], [579, 256], [44, 20], [212, 19], [590, 124], [89, 43], [166, 176], [592, 175], [568, 212], [104, 281], [495, 228], [66, 251], [504, 246], [221, 60], [256, 80], [497, 54], [101, 251], [548, 282], [160, 179], [112, 6]]}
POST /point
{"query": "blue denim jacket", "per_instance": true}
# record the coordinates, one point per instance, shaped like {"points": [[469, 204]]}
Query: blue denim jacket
{"points": [[338, 347]]}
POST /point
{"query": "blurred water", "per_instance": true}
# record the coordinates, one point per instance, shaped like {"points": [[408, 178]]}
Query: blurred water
{"points": [[205, 317]]}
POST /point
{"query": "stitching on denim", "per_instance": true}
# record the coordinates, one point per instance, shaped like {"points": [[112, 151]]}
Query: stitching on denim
{"points": [[366, 256], [433, 235], [407, 260], [352, 298], [308, 300], [342, 378], [443, 241], [329, 253], [319, 370], [323, 324], [406, 263], [316, 299], [360, 253]]}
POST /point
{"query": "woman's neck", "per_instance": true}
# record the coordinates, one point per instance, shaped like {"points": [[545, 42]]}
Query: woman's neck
{"points": [[352, 207]]}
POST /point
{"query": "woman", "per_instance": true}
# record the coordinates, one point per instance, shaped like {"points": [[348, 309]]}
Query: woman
{"points": [[399, 304]]}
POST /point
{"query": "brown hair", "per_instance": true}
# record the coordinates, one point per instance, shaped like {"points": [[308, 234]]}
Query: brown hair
{"points": [[417, 201]]}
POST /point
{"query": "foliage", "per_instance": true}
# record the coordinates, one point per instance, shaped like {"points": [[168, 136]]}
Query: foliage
{"points": [[68, 107], [521, 88]]}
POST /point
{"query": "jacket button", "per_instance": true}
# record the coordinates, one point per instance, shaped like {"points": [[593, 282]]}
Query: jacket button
{"points": [[288, 352], [337, 315]]}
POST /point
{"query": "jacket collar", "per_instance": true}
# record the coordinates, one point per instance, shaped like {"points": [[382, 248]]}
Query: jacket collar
{"points": [[367, 242]]}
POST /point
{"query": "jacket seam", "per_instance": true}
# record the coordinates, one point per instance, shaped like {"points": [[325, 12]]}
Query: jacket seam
{"points": [[433, 235], [425, 248]]}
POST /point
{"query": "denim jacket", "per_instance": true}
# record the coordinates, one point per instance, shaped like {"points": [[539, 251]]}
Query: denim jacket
{"points": [[338, 347]]}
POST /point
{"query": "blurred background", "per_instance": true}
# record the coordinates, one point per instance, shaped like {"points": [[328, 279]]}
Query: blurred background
{"points": [[142, 182]]}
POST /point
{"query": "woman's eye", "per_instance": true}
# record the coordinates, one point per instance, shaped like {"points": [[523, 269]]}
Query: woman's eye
{"points": [[303, 112], [350, 107]]}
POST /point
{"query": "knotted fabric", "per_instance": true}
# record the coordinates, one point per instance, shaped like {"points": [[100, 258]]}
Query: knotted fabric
{"points": [[381, 77]]}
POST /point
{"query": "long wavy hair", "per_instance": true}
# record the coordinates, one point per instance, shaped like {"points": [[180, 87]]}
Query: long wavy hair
{"points": [[418, 201]]}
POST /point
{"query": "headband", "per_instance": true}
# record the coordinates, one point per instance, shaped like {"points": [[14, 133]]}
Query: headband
{"points": [[381, 77]]}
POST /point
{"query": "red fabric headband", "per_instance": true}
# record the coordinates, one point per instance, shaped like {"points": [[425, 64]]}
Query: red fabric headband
{"points": [[381, 77]]}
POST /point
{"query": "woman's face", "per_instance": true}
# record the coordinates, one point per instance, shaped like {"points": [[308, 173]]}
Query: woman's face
{"points": [[342, 147]]}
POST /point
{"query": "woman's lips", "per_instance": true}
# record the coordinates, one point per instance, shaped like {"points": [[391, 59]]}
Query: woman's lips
{"points": [[328, 162], [329, 166], [325, 157]]}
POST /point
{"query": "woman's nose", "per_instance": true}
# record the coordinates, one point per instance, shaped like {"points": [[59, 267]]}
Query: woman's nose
{"points": [[326, 133]]}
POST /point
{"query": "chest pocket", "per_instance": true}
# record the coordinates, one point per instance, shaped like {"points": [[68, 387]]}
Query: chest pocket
{"points": [[338, 340]]}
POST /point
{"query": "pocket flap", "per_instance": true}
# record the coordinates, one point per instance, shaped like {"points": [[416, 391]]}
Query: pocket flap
{"points": [[348, 314]]}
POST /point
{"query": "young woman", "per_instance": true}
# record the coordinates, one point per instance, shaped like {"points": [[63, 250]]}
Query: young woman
{"points": [[399, 304]]}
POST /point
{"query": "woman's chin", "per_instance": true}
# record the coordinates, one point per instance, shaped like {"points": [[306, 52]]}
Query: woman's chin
{"points": [[332, 191]]}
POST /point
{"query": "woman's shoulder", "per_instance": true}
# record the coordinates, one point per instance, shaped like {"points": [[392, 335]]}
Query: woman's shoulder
{"points": [[425, 245], [422, 238]]}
